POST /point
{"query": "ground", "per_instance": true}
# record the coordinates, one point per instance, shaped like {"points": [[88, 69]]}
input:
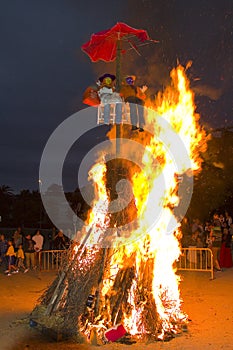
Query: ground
{"points": [[207, 302]]}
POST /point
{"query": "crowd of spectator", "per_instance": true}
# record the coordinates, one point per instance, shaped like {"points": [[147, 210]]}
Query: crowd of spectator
{"points": [[215, 234], [21, 251]]}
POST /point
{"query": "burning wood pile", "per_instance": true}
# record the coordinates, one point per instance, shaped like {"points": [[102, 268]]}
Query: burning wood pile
{"points": [[119, 281]]}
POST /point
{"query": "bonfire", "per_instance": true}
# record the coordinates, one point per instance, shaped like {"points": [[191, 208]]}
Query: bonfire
{"points": [[119, 281]]}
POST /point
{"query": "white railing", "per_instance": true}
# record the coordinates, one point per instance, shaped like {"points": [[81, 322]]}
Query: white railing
{"points": [[51, 259], [191, 259], [196, 259]]}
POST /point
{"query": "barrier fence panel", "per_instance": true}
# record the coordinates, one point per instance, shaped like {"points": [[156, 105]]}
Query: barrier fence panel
{"points": [[51, 259], [196, 259], [191, 259]]}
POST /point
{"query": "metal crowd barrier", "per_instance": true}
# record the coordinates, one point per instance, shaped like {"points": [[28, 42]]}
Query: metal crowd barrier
{"points": [[51, 259], [191, 259], [196, 259]]}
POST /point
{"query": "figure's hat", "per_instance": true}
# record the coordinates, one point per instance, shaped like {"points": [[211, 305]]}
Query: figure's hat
{"points": [[107, 75]]}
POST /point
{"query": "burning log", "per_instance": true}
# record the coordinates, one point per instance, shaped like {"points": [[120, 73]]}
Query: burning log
{"points": [[118, 300], [66, 299]]}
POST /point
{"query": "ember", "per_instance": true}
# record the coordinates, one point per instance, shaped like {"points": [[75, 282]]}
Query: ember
{"points": [[128, 281]]}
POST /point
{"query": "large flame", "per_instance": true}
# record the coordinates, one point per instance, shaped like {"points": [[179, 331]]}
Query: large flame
{"points": [[98, 219], [176, 106]]}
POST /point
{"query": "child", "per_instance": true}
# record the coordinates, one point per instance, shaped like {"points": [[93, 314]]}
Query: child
{"points": [[11, 259], [20, 259]]}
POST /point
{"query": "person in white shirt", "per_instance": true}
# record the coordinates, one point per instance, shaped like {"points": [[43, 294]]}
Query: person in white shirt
{"points": [[39, 240]]}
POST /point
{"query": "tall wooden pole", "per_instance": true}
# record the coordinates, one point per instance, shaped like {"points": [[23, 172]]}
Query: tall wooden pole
{"points": [[118, 87], [118, 66]]}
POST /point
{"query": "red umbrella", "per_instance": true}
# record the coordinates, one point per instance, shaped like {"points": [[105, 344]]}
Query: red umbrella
{"points": [[103, 45], [107, 45]]}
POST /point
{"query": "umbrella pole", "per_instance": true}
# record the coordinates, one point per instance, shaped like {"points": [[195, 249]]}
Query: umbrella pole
{"points": [[118, 66]]}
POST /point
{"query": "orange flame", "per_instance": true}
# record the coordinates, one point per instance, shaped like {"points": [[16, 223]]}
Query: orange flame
{"points": [[175, 106], [98, 220]]}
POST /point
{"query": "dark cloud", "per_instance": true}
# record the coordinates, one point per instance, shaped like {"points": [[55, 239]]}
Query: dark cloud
{"points": [[43, 71]]}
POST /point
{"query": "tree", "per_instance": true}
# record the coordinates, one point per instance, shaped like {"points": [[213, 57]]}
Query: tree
{"points": [[213, 187], [6, 200]]}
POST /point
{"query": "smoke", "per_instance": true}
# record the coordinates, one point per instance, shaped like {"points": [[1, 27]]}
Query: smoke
{"points": [[208, 91]]}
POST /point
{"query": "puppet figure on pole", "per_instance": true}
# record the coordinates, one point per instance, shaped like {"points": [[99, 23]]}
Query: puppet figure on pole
{"points": [[108, 46]]}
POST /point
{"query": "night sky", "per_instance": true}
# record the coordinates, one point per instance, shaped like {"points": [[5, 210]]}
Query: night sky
{"points": [[43, 71]]}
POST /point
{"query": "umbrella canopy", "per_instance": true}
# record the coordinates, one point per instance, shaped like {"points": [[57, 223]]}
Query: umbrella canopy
{"points": [[104, 45]]}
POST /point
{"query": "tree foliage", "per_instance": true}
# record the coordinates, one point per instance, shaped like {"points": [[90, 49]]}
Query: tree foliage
{"points": [[213, 190], [213, 187]]}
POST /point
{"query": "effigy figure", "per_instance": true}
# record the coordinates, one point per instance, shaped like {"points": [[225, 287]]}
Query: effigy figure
{"points": [[109, 96], [135, 96]]}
